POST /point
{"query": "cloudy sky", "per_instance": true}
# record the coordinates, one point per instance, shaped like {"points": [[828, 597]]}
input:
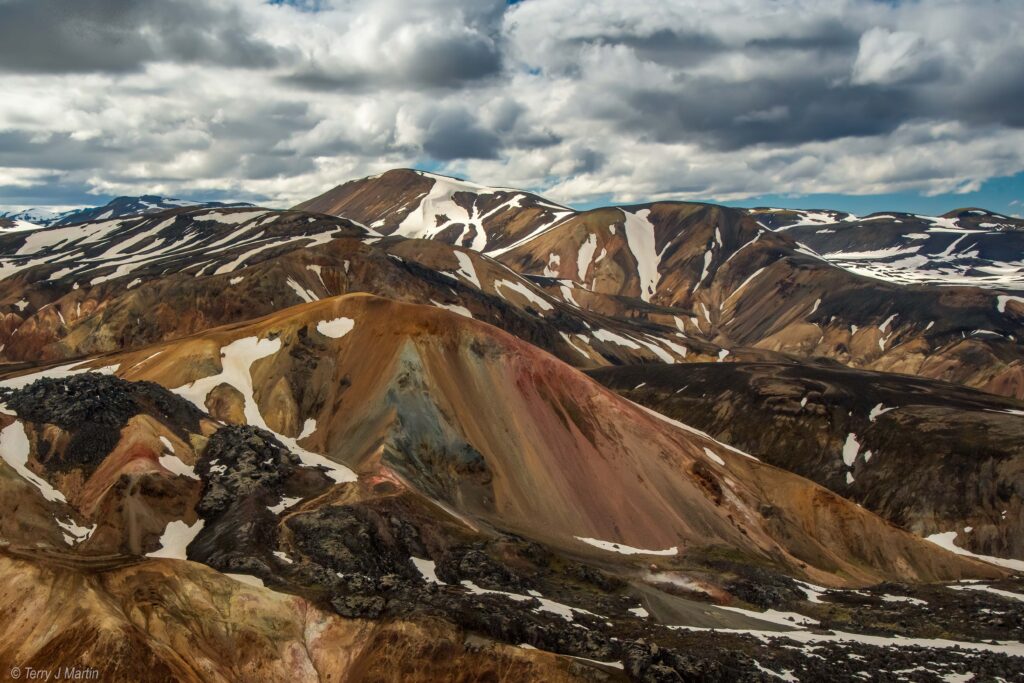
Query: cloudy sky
{"points": [[856, 104]]}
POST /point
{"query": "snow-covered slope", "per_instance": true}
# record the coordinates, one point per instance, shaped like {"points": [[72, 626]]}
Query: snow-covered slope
{"points": [[464, 207], [115, 208], [34, 216], [230, 264], [783, 219], [425, 205], [17, 225]]}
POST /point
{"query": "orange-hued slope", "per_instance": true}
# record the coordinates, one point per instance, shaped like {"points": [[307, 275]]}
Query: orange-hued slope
{"points": [[167, 620], [511, 436]]}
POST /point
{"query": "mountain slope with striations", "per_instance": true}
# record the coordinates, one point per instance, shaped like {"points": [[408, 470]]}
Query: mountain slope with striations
{"points": [[715, 274]]}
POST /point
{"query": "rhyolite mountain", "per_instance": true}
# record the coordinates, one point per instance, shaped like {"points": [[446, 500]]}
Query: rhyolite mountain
{"points": [[352, 441], [730, 277], [383, 460], [114, 284]]}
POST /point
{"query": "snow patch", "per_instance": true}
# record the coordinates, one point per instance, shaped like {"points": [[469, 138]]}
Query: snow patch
{"points": [[878, 410], [308, 427], [905, 598], [945, 540], [173, 464], [714, 456], [466, 268], [608, 336], [454, 308], [622, 549], [585, 256], [285, 503], [15, 451], [337, 328], [988, 589], [1003, 299], [427, 569], [850, 449], [523, 290], [233, 218], [175, 539], [640, 240]]}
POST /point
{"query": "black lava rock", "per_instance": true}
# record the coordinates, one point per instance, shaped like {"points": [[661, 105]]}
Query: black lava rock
{"points": [[477, 566], [351, 540], [93, 408], [239, 461]]}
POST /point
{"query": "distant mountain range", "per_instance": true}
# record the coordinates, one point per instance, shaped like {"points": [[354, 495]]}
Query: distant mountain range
{"points": [[666, 441], [115, 208], [963, 247]]}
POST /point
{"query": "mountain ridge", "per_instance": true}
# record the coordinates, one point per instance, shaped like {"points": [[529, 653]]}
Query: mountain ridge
{"points": [[679, 272], [116, 208]]}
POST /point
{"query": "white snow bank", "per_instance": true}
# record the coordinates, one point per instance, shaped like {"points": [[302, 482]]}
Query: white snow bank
{"points": [[175, 539], [15, 448], [623, 549], [336, 328], [945, 540]]}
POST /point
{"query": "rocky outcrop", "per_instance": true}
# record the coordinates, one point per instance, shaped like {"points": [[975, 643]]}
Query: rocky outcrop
{"points": [[92, 409]]}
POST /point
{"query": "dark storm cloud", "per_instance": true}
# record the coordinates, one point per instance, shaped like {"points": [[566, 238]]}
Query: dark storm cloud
{"points": [[995, 96], [731, 115], [829, 35], [438, 63], [586, 160], [61, 36], [448, 60], [664, 46], [816, 93], [456, 134], [228, 145], [443, 62], [56, 151]]}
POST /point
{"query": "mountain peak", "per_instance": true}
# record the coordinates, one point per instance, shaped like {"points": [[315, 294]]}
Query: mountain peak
{"points": [[969, 211]]}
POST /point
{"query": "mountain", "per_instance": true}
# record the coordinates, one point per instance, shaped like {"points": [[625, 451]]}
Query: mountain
{"points": [[115, 208], [114, 284], [17, 224], [38, 217], [859, 434], [451, 408], [392, 465], [422, 429], [429, 206], [713, 274], [970, 247]]}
